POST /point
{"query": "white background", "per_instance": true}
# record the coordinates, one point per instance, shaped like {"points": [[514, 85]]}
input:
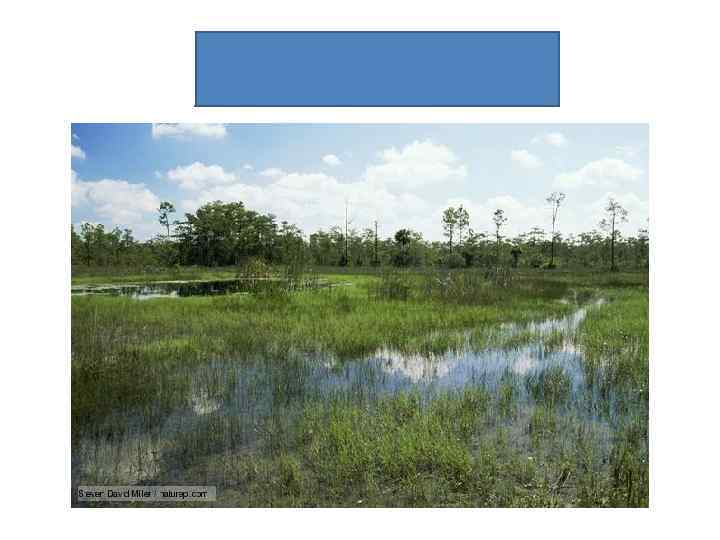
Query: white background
{"points": [[133, 62]]}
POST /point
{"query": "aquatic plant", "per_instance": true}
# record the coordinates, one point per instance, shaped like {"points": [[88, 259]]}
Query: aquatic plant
{"points": [[289, 399]]}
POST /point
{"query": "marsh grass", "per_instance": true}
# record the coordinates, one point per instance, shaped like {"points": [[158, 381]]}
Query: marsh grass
{"points": [[392, 284], [153, 383], [551, 386]]}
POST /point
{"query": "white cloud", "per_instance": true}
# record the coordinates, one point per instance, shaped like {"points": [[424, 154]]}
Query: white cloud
{"points": [[198, 176], [317, 200], [185, 131], [77, 192], [385, 192], [554, 138], [332, 160], [521, 216], [419, 163], [603, 172], [403, 188], [248, 167], [119, 201], [77, 152], [272, 172], [525, 159], [638, 212], [626, 151]]}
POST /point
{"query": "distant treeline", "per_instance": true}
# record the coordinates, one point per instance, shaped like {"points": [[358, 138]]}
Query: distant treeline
{"points": [[222, 234]]}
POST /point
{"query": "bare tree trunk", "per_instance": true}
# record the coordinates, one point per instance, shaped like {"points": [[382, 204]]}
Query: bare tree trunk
{"points": [[612, 246], [346, 234], [376, 245]]}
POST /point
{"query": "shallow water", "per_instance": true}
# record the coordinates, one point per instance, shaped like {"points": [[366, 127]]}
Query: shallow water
{"points": [[230, 401], [180, 289]]}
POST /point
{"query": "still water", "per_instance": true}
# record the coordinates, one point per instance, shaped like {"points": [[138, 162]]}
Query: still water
{"points": [[231, 401], [179, 289]]}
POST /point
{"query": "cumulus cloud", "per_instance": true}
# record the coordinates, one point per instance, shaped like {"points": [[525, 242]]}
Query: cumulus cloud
{"points": [[332, 160], [248, 167], [384, 192], [525, 159], [554, 138], [317, 200], [120, 202], [637, 207], [76, 152], [272, 172], [403, 188], [186, 131], [626, 151], [603, 172], [417, 164], [521, 216], [77, 192], [198, 176]]}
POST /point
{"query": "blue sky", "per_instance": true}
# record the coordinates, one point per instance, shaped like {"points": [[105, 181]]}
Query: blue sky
{"points": [[403, 175]]}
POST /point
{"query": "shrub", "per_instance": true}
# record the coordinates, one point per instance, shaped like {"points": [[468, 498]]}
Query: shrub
{"points": [[254, 267], [455, 260], [393, 285], [499, 276]]}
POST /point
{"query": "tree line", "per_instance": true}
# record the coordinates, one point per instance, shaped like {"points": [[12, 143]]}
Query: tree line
{"points": [[223, 234]]}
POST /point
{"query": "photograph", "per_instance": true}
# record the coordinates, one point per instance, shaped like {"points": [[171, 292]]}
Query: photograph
{"points": [[353, 315]]}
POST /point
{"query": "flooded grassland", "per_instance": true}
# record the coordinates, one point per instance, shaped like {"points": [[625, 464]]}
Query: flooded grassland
{"points": [[394, 390]]}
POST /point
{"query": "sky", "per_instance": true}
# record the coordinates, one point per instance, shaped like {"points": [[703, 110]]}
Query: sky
{"points": [[402, 175]]}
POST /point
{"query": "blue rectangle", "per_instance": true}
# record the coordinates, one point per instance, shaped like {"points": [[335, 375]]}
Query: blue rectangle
{"points": [[377, 69]]}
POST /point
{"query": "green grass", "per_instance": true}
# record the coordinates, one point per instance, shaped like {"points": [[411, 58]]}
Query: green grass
{"points": [[102, 276], [530, 440]]}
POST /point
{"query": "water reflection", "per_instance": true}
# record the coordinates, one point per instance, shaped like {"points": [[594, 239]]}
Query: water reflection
{"points": [[175, 289], [230, 400]]}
